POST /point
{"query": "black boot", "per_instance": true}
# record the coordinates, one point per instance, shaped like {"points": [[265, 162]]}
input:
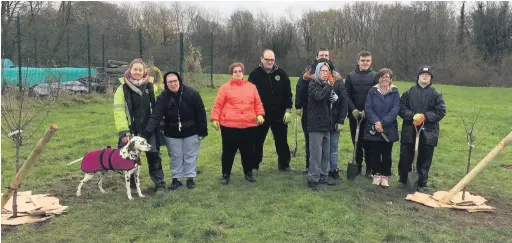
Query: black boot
{"points": [[190, 183], [313, 185], [225, 179], [175, 184], [249, 177], [368, 173], [359, 169], [333, 178], [155, 168]]}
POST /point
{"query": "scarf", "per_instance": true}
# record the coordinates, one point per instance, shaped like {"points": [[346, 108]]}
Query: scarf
{"points": [[386, 91], [128, 77], [134, 84]]}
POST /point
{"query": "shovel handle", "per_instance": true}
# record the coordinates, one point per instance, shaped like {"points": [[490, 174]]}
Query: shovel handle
{"points": [[356, 139], [416, 145]]}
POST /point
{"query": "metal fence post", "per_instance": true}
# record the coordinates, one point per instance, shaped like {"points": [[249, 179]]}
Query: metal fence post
{"points": [[140, 43], [35, 49], [89, 55], [67, 44], [211, 62], [182, 54], [20, 78]]}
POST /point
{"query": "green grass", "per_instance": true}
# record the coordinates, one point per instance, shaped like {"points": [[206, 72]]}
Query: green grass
{"points": [[278, 207]]}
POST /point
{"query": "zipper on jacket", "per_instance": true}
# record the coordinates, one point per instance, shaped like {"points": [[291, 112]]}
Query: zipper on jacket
{"points": [[270, 82]]}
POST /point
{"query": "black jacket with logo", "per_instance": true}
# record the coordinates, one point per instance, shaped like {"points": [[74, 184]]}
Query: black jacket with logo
{"points": [[274, 89]]}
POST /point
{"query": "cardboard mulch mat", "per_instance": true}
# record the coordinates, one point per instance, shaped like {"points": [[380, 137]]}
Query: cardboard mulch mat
{"points": [[32, 209], [471, 203]]}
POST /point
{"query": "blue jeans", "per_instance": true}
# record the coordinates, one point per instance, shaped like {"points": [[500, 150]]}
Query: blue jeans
{"points": [[335, 138]]}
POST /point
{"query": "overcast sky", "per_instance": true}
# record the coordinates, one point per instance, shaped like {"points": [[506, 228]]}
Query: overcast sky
{"points": [[276, 8]]}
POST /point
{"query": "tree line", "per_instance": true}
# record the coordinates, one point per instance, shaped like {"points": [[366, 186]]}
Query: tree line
{"points": [[465, 43]]}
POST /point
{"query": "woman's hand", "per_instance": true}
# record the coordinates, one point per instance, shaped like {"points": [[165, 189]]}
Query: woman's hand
{"points": [[260, 119], [378, 127], [216, 125]]}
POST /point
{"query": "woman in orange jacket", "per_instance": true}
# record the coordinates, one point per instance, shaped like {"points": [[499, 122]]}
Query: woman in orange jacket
{"points": [[237, 111]]}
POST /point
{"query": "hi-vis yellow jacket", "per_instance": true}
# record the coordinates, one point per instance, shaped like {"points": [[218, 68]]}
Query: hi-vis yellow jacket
{"points": [[122, 116]]}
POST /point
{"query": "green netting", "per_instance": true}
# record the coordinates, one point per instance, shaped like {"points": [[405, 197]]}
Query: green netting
{"points": [[33, 76]]}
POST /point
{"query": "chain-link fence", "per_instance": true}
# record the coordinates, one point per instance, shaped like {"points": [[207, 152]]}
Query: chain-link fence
{"points": [[97, 59]]}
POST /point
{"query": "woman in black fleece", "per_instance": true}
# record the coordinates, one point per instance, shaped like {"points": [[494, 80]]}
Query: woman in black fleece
{"points": [[182, 109]]}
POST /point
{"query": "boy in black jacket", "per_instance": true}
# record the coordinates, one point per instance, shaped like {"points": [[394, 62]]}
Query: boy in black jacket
{"points": [[420, 104]]}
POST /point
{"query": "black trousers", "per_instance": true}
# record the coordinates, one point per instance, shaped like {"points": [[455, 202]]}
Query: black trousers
{"points": [[425, 154], [361, 147], [304, 124], [154, 166], [280, 132], [380, 157], [234, 139]]}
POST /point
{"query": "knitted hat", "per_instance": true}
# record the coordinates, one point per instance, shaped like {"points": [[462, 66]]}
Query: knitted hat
{"points": [[424, 69]]}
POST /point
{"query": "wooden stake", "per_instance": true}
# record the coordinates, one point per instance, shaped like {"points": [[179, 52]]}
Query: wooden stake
{"points": [[29, 163], [477, 169]]}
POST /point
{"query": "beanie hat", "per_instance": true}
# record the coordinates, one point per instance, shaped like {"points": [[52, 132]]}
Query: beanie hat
{"points": [[424, 69]]}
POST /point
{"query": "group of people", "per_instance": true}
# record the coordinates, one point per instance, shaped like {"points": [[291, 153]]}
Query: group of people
{"points": [[244, 111]]}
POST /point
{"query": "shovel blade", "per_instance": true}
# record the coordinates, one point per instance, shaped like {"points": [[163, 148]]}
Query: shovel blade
{"points": [[352, 171], [412, 182]]}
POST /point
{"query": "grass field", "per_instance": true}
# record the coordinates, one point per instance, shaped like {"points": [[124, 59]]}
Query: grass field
{"points": [[278, 207]]}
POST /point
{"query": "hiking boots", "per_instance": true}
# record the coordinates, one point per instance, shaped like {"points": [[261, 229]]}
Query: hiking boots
{"points": [[160, 189], [190, 183], [250, 177], [313, 185], [368, 173], [225, 179], [333, 177], [175, 184]]}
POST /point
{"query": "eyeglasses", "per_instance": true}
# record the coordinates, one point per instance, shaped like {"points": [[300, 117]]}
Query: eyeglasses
{"points": [[385, 77], [269, 60], [237, 71], [324, 71]]}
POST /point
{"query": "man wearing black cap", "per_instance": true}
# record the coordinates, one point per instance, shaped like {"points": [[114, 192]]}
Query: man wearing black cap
{"points": [[421, 104]]}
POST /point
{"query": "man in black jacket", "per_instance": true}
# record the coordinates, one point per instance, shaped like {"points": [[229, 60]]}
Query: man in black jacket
{"points": [[274, 88], [182, 110], [301, 96], [358, 83], [420, 104]]}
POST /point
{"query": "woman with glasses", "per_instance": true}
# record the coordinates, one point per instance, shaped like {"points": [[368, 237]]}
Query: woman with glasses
{"points": [[381, 109], [237, 111]]}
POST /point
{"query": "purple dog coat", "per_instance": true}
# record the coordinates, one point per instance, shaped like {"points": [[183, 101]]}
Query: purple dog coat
{"points": [[105, 159]]}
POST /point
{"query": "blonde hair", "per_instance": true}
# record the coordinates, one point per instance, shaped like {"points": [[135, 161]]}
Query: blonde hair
{"points": [[138, 60]]}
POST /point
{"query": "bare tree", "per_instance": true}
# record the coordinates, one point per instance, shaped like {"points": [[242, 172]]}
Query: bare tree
{"points": [[22, 116]]}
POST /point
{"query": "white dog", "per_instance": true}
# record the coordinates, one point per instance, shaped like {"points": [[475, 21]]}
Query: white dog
{"points": [[126, 159]]}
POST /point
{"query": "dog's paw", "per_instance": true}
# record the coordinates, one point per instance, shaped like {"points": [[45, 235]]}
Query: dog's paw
{"points": [[78, 194], [141, 195], [130, 198]]}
